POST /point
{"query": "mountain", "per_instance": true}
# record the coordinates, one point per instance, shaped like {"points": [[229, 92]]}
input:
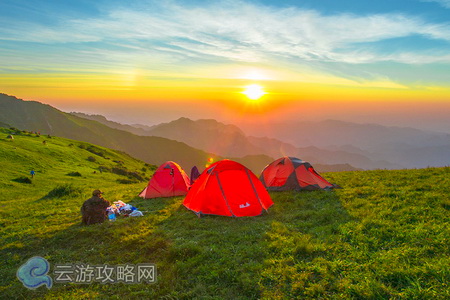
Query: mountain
{"points": [[324, 157], [230, 141], [340, 133], [396, 146], [209, 135], [35, 116], [101, 119]]}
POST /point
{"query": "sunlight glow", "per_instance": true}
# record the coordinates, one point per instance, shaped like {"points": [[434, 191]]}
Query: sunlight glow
{"points": [[254, 91]]}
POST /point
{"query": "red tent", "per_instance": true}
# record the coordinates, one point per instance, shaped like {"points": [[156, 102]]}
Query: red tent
{"points": [[290, 173], [227, 188], [169, 180]]}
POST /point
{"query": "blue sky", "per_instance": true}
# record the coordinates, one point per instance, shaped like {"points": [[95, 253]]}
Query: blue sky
{"points": [[401, 44], [414, 32]]}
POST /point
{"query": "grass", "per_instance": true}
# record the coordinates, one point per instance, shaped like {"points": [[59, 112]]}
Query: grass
{"points": [[384, 235]]}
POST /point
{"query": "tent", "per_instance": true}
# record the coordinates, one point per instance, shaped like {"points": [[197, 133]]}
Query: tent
{"points": [[227, 188], [194, 174], [290, 173], [167, 181]]}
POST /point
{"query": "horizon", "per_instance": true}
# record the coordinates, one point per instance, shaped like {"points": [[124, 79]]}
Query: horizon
{"points": [[150, 62]]}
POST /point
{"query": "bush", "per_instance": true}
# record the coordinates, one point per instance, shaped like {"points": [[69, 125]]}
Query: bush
{"points": [[91, 159], [104, 169], [125, 172], [119, 171], [126, 181], [96, 151], [65, 190], [23, 179], [75, 174]]}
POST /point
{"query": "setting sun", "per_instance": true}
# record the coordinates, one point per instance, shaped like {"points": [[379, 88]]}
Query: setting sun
{"points": [[254, 91]]}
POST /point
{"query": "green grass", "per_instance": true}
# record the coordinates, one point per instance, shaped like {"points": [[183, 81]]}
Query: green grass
{"points": [[384, 235]]}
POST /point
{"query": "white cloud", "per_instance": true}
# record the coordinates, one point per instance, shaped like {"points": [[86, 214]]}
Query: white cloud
{"points": [[443, 3], [238, 31]]}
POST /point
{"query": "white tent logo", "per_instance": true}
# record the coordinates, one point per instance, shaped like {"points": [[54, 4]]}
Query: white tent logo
{"points": [[244, 205]]}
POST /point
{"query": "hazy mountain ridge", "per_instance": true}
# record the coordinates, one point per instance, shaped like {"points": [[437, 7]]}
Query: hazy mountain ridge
{"points": [[380, 144], [35, 116], [231, 141], [339, 133], [112, 124], [209, 135]]}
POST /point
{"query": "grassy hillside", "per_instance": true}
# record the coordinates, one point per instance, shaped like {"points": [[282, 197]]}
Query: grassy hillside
{"points": [[384, 235], [35, 116]]}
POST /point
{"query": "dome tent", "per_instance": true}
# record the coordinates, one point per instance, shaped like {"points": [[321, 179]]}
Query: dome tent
{"points": [[227, 188], [168, 180], [291, 173]]}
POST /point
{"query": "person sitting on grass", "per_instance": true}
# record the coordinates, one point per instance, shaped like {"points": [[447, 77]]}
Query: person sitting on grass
{"points": [[93, 210]]}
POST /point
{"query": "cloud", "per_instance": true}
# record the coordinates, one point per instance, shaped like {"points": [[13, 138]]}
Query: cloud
{"points": [[169, 33], [443, 3]]}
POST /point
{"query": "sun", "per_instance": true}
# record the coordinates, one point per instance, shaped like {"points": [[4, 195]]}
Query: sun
{"points": [[254, 91]]}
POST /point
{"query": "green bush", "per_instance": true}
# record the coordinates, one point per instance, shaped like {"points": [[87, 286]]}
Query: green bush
{"points": [[64, 190], [75, 174], [127, 181], [91, 159], [22, 179]]}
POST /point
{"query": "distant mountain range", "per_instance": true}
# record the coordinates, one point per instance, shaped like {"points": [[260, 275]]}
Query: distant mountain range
{"points": [[401, 146], [231, 141], [341, 146], [347, 146]]}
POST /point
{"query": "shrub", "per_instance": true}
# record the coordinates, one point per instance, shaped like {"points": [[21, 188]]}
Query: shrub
{"points": [[136, 175], [104, 169], [22, 179], [64, 190], [75, 174], [91, 159], [96, 151], [119, 171], [126, 181]]}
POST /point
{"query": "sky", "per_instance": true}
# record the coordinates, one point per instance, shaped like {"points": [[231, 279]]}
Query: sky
{"points": [[147, 62]]}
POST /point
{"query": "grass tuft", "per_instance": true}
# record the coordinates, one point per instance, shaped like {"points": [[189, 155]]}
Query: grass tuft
{"points": [[22, 179], [64, 190]]}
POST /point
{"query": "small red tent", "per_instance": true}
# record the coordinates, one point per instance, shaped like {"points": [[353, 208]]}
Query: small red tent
{"points": [[227, 188], [169, 180], [290, 173]]}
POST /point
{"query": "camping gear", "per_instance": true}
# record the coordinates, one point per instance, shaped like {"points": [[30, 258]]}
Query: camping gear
{"points": [[227, 188], [194, 174], [111, 215], [136, 213], [168, 180], [120, 208], [291, 173]]}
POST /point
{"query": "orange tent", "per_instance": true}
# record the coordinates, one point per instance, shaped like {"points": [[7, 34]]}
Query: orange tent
{"points": [[227, 188], [290, 173], [167, 181]]}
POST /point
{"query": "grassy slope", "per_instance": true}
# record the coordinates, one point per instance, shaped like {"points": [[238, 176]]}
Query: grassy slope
{"points": [[35, 116], [385, 234]]}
